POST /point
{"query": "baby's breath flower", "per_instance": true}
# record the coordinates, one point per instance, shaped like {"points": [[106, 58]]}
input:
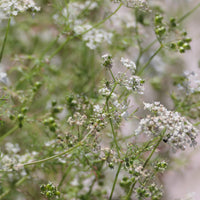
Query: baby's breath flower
{"points": [[140, 4], [12, 148], [132, 83], [178, 131], [14, 7], [13, 160], [77, 119], [70, 14], [93, 37], [128, 64], [4, 78], [104, 91]]}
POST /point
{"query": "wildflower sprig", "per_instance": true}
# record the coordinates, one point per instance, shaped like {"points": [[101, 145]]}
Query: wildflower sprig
{"points": [[71, 119]]}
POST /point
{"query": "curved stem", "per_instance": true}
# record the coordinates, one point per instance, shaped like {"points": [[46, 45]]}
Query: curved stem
{"points": [[95, 26], [57, 155], [5, 39]]}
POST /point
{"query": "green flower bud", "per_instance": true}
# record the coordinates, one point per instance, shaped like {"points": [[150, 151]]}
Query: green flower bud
{"points": [[111, 165], [38, 84], [180, 43], [57, 109], [173, 22], [173, 45], [182, 50], [57, 193], [54, 102], [12, 117], [24, 109], [158, 19], [186, 46], [51, 120], [188, 39], [20, 117]]}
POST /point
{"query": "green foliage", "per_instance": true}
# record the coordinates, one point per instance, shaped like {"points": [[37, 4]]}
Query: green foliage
{"points": [[68, 92]]}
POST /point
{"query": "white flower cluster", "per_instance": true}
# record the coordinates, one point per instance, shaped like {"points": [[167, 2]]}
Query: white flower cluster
{"points": [[99, 117], [190, 84], [104, 91], [71, 18], [4, 78], [178, 131], [129, 64], [94, 37], [130, 82], [77, 119], [14, 7], [140, 4], [70, 14], [11, 160]]}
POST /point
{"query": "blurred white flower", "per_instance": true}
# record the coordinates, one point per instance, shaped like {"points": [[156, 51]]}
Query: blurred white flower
{"points": [[4, 78], [14, 7]]}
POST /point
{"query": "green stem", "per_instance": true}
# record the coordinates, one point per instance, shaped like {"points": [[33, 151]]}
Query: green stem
{"points": [[16, 185], [113, 130], [151, 154], [113, 77], [188, 13], [144, 165], [65, 175], [149, 61], [5, 38], [8, 133], [115, 181], [95, 26], [58, 155]]}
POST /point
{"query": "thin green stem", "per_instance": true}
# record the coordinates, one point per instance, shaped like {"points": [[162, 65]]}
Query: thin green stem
{"points": [[5, 39], [149, 46], [115, 181], [58, 155], [144, 165], [95, 26], [188, 13], [65, 175], [16, 185], [113, 77], [113, 130], [151, 154], [8, 133], [149, 61]]}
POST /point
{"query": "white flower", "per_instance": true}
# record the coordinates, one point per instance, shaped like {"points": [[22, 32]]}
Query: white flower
{"points": [[4, 78], [11, 148], [128, 64], [13, 7], [178, 130]]}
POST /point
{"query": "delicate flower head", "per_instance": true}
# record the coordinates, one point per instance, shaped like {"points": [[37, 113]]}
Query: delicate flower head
{"points": [[14, 7], [178, 131], [140, 4], [129, 64], [108, 63]]}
